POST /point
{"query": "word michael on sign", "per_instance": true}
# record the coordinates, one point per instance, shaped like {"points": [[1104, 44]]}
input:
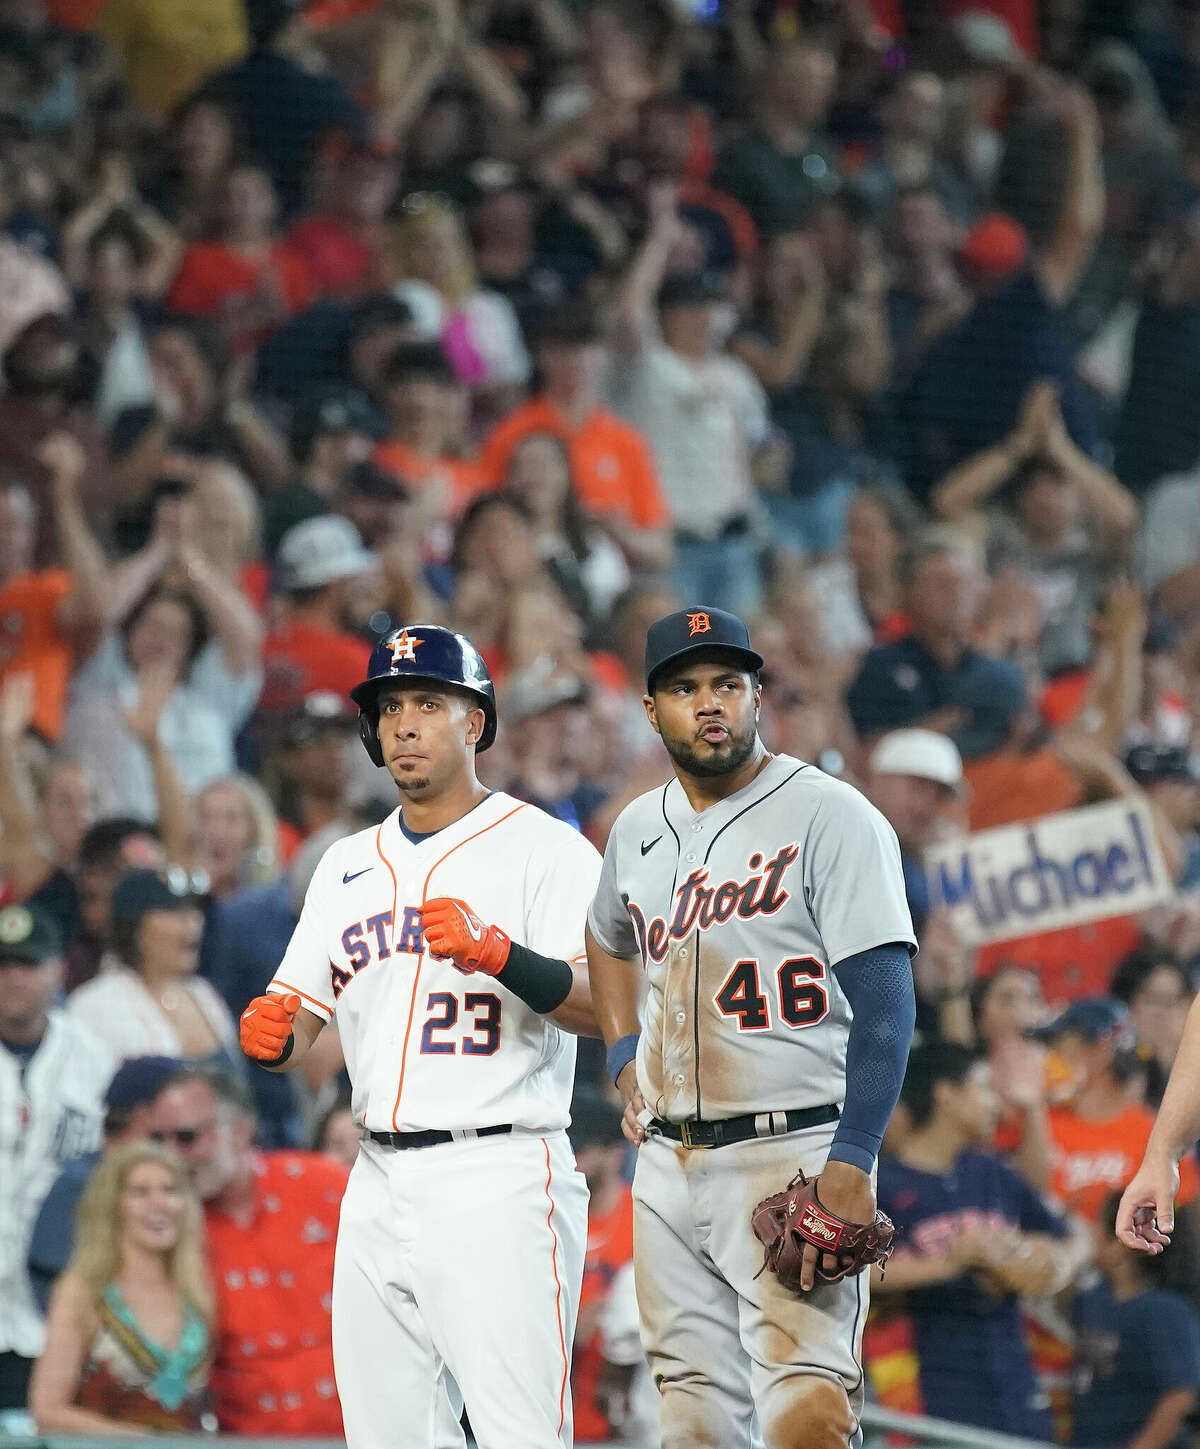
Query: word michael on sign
{"points": [[1061, 870]]}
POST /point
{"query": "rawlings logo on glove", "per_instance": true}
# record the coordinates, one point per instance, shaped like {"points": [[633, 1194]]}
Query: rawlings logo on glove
{"points": [[788, 1221]]}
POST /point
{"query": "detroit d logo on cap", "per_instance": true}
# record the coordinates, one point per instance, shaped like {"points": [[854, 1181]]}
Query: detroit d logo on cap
{"points": [[405, 647], [698, 624]]}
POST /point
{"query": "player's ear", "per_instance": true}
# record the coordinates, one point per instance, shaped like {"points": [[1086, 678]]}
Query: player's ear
{"points": [[651, 712], [475, 723]]}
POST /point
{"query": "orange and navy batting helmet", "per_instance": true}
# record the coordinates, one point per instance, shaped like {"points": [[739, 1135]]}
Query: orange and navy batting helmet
{"points": [[423, 651]]}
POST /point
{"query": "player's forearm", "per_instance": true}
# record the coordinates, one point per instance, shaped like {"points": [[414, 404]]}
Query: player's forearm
{"points": [[1177, 1125], [576, 1014], [879, 987], [615, 992]]}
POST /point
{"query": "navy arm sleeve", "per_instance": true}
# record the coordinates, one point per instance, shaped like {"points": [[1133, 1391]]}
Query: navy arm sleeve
{"points": [[878, 984]]}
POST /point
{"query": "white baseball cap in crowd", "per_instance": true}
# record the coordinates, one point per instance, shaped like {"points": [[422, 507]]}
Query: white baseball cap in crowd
{"points": [[318, 552], [923, 753]]}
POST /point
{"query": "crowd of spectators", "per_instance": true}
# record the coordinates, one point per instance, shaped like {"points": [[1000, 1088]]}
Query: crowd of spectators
{"points": [[877, 322]]}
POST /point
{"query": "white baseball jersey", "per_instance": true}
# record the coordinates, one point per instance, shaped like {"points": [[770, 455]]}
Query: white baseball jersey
{"points": [[50, 1111], [739, 913], [428, 1046]]}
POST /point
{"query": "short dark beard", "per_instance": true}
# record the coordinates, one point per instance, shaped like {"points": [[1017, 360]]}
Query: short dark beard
{"points": [[684, 757], [413, 786]]}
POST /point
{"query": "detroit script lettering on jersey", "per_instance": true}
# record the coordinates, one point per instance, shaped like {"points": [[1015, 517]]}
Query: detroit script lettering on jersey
{"points": [[701, 906], [739, 914]]}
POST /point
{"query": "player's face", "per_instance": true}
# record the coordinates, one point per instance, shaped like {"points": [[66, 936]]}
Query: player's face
{"points": [[428, 736], [707, 715]]}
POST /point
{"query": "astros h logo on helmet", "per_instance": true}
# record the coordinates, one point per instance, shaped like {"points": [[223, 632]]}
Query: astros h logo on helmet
{"points": [[405, 647], [698, 624]]}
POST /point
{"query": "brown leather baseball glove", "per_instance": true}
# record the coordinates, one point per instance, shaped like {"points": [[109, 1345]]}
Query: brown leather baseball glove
{"points": [[786, 1221]]}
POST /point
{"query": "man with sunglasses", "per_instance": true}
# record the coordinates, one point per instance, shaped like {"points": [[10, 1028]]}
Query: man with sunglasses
{"points": [[270, 1224]]}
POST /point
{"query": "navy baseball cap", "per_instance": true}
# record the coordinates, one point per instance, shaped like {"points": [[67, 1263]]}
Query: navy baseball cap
{"points": [[333, 408], [1094, 1018], [140, 891], [28, 935], [695, 630], [139, 1080]]}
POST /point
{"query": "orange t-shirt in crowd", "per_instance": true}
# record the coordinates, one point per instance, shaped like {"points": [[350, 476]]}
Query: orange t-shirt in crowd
{"points": [[301, 658], [336, 259], [1006, 788], [463, 477], [272, 1375], [32, 642], [1095, 1158], [609, 1249], [611, 463], [1071, 962], [214, 279]]}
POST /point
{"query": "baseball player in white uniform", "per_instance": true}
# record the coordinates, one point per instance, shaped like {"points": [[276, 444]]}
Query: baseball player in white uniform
{"points": [[759, 904], [463, 1229]]}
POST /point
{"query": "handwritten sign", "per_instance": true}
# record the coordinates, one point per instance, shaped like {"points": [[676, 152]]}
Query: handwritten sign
{"points": [[1062, 870]]}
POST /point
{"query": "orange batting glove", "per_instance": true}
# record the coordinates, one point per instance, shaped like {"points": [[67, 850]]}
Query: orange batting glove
{"points": [[266, 1026], [454, 932]]}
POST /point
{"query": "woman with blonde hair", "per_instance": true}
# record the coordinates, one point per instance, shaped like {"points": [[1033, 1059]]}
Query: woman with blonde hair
{"points": [[129, 1331], [235, 839], [428, 261]]}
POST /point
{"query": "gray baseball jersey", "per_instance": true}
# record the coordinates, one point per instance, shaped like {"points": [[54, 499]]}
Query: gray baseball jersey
{"points": [[739, 913]]}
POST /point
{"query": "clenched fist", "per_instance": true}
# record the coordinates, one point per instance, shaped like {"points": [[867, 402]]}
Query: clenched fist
{"points": [[454, 932], [266, 1026]]}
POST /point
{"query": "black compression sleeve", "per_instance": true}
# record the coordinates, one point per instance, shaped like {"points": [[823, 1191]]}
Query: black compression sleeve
{"points": [[542, 982]]}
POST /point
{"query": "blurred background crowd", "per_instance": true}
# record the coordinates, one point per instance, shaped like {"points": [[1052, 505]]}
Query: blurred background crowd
{"points": [[877, 321]]}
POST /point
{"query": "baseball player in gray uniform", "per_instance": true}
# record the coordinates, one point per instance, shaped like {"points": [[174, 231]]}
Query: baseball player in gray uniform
{"points": [[757, 905]]}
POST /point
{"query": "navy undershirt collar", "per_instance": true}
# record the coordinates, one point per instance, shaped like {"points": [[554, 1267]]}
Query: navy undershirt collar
{"points": [[416, 838]]}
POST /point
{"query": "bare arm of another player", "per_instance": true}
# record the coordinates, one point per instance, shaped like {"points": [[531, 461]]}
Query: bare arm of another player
{"points": [[1150, 1197], [615, 990], [577, 1014], [276, 1031]]}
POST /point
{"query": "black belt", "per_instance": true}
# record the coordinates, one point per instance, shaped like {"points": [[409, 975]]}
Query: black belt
{"points": [[696, 1133], [401, 1141]]}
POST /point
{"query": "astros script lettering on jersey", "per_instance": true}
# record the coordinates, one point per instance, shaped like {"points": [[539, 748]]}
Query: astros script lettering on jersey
{"points": [[739, 913], [428, 1045]]}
